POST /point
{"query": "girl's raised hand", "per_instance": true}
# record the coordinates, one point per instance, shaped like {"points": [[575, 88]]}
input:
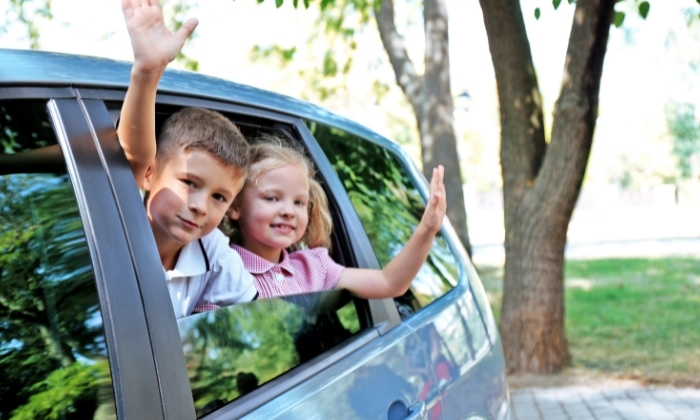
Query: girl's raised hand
{"points": [[437, 203], [154, 45]]}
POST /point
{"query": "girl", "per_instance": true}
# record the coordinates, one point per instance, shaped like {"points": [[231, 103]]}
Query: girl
{"points": [[282, 207]]}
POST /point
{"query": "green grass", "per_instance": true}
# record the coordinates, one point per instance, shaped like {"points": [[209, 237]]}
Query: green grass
{"points": [[631, 317]]}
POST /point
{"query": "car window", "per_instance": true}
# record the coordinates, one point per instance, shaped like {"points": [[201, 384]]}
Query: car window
{"points": [[53, 356], [233, 350], [390, 207]]}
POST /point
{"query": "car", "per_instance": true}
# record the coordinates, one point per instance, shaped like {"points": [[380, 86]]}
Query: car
{"points": [[87, 329]]}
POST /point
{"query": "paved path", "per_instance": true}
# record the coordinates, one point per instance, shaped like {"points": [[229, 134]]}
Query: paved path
{"points": [[586, 402]]}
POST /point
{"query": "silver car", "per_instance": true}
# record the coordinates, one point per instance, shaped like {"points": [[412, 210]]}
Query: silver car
{"points": [[87, 330]]}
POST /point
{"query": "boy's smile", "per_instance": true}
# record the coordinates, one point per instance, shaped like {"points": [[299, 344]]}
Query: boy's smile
{"points": [[273, 212], [188, 199]]}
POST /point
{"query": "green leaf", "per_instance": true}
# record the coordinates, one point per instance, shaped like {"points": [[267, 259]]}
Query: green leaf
{"points": [[556, 4], [571, 1], [537, 13], [295, 3], [619, 18], [279, 3], [644, 9]]}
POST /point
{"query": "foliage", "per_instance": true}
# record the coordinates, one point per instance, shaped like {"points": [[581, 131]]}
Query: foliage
{"points": [[336, 28], [250, 344], [57, 395], [26, 13], [389, 206], [685, 130], [642, 9]]}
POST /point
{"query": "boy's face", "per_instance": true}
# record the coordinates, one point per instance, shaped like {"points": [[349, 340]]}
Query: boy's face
{"points": [[189, 197]]}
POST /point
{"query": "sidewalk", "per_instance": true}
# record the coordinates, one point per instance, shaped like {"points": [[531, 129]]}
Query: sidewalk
{"points": [[601, 403]]}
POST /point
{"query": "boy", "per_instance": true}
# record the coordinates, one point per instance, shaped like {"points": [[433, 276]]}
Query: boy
{"points": [[190, 179]]}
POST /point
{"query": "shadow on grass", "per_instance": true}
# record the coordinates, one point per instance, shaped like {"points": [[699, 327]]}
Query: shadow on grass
{"points": [[633, 318]]}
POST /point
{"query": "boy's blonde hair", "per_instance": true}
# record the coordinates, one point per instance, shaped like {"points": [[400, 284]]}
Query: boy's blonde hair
{"points": [[203, 129], [271, 152]]}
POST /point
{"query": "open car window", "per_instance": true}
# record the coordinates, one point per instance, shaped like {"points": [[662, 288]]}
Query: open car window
{"points": [[232, 351]]}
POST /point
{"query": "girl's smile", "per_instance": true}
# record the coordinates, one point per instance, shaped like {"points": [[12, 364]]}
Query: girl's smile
{"points": [[273, 211]]}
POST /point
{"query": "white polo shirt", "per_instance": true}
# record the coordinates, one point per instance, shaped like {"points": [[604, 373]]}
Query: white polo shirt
{"points": [[208, 270]]}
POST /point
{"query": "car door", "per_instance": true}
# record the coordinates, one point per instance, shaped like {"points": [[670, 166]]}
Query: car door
{"points": [[268, 359], [457, 334], [73, 337]]}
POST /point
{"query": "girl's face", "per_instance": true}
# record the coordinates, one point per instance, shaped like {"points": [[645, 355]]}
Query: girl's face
{"points": [[273, 214]]}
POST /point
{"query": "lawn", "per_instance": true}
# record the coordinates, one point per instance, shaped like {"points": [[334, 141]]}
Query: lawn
{"points": [[637, 318]]}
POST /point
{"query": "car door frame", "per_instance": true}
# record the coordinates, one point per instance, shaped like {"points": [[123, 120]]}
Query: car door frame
{"points": [[133, 373]]}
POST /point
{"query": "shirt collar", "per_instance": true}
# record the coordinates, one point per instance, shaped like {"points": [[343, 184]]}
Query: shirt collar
{"points": [[191, 262], [256, 264]]}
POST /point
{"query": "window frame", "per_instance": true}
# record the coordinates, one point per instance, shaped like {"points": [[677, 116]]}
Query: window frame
{"points": [[167, 344]]}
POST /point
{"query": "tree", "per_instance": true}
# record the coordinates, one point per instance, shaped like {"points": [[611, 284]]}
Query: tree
{"points": [[26, 12], [685, 130], [429, 94], [542, 181]]}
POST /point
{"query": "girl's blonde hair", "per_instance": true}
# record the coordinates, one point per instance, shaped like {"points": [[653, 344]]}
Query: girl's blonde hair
{"points": [[271, 152]]}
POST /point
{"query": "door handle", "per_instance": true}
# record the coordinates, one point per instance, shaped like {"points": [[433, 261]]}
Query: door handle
{"points": [[417, 412]]}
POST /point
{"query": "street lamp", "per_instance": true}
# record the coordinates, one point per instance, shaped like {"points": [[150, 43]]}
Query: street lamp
{"points": [[462, 101]]}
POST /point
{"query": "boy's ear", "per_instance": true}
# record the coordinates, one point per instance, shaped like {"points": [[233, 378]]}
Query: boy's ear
{"points": [[233, 212], [148, 178]]}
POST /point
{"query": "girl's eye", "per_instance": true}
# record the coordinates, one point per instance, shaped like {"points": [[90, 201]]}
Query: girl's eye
{"points": [[270, 198], [299, 203], [188, 183]]}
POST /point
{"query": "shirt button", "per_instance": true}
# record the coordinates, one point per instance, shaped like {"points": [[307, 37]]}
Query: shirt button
{"points": [[279, 277]]}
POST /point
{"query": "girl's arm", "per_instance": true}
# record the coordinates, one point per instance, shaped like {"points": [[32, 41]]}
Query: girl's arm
{"points": [[395, 279]]}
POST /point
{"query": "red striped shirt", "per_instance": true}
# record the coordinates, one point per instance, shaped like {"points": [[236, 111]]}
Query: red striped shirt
{"points": [[304, 271]]}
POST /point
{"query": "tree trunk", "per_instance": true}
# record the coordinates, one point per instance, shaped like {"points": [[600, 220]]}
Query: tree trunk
{"points": [[430, 96], [541, 183]]}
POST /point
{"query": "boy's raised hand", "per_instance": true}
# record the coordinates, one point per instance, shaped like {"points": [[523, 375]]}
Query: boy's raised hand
{"points": [[437, 203], [154, 45]]}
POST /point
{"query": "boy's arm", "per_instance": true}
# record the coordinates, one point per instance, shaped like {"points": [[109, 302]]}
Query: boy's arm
{"points": [[154, 46], [397, 276]]}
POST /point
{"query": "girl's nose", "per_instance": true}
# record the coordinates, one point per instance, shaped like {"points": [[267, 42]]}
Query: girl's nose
{"points": [[286, 209]]}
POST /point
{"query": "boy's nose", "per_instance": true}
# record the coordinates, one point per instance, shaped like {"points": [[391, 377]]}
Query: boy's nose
{"points": [[198, 204]]}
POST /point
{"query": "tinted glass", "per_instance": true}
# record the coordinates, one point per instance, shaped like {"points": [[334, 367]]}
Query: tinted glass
{"points": [[53, 357], [233, 350], [390, 208]]}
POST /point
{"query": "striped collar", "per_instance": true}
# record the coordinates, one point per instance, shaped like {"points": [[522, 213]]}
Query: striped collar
{"points": [[255, 264]]}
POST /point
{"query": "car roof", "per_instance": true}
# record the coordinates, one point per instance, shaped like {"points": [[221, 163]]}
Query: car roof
{"points": [[41, 68]]}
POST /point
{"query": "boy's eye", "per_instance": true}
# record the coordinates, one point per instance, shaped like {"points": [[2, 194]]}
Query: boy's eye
{"points": [[220, 198], [270, 198], [188, 183]]}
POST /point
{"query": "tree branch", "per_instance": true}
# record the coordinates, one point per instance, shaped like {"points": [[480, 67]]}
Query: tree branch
{"points": [[522, 128], [576, 110], [406, 76]]}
